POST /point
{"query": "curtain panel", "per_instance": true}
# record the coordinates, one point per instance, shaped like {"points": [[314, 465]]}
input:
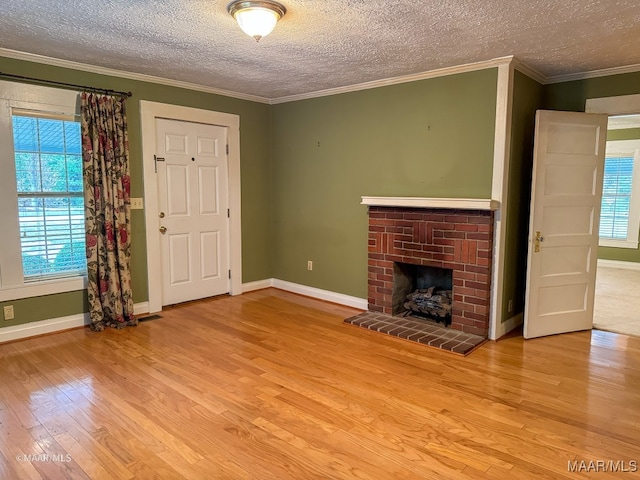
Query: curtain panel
{"points": [[105, 155]]}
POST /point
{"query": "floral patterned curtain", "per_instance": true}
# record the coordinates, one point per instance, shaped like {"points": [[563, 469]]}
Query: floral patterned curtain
{"points": [[105, 155]]}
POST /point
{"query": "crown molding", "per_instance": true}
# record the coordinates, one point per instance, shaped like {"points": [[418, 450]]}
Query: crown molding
{"points": [[440, 72], [56, 62], [529, 71], [605, 72]]}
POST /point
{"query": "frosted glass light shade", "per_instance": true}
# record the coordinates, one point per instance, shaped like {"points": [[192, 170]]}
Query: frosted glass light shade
{"points": [[258, 18]]}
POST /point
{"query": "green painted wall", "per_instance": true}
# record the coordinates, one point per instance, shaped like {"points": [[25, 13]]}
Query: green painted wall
{"points": [[572, 96], [255, 145], [527, 98], [430, 138], [624, 134]]}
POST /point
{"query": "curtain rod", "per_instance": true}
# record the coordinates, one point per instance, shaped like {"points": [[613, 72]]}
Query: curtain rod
{"points": [[106, 91]]}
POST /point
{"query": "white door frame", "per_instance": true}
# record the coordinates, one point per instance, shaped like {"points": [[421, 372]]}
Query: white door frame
{"points": [[149, 111]]}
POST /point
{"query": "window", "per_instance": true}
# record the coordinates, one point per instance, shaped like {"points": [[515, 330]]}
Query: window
{"points": [[48, 160], [42, 216], [620, 212]]}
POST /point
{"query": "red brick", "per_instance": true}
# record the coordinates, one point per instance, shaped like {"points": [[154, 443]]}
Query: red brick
{"points": [[463, 321], [466, 275], [476, 269], [482, 261], [431, 263], [377, 214], [443, 226], [475, 330], [475, 300], [456, 219], [443, 241], [443, 256], [480, 220], [434, 249], [375, 228], [476, 285], [384, 291], [484, 228], [466, 291], [458, 282], [432, 217], [474, 316], [478, 236], [375, 269], [481, 310], [466, 227]]}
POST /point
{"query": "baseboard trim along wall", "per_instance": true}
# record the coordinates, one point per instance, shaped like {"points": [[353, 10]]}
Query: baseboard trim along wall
{"points": [[618, 264], [312, 292], [52, 325], [506, 327], [257, 285], [320, 294]]}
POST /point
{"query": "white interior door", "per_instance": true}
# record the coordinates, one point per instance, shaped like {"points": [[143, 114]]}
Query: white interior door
{"points": [[193, 201], [566, 193]]}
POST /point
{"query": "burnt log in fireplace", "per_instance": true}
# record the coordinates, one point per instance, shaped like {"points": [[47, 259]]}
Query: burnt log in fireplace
{"points": [[431, 303]]}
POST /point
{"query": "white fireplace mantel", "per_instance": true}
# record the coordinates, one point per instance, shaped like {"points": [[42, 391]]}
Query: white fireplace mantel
{"points": [[424, 202]]}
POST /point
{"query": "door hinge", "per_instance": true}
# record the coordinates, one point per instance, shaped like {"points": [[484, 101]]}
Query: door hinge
{"points": [[227, 149], [229, 273], [228, 213]]}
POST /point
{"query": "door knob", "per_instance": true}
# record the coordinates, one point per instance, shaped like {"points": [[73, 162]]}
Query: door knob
{"points": [[161, 214], [539, 239], [163, 229]]}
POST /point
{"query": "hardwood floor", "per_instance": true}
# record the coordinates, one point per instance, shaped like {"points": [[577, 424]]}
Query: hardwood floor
{"points": [[271, 385]]}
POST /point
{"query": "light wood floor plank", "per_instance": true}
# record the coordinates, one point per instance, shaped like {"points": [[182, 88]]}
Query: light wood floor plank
{"points": [[273, 385]]}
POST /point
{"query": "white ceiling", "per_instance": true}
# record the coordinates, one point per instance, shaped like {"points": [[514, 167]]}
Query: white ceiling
{"points": [[323, 44]]}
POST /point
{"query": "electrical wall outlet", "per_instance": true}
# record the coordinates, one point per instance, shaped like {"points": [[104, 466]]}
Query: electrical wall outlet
{"points": [[309, 265], [510, 307], [8, 312]]}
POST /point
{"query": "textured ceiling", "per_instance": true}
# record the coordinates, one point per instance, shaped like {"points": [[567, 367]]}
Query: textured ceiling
{"points": [[323, 44]]}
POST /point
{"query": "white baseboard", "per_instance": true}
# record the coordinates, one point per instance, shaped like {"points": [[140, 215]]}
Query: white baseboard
{"points": [[42, 327], [257, 285], [140, 308], [318, 293], [618, 264], [506, 327], [52, 325]]}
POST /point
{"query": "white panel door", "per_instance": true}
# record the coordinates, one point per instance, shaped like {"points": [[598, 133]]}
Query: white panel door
{"points": [[566, 193], [193, 201]]}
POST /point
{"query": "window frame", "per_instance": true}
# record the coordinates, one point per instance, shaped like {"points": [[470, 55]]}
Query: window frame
{"points": [[24, 97], [627, 148]]}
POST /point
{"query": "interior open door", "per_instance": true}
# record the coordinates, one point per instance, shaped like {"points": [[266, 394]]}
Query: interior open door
{"points": [[568, 165]]}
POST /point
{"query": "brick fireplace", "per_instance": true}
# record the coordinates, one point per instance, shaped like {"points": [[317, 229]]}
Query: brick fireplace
{"points": [[453, 234]]}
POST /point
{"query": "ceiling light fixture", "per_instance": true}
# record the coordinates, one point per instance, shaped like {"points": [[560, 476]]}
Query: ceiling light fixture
{"points": [[256, 18]]}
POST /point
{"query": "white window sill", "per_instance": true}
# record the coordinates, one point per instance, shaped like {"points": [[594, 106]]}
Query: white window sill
{"points": [[618, 243], [46, 287]]}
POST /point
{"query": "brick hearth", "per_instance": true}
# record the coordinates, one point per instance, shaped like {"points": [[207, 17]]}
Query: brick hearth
{"points": [[460, 240]]}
